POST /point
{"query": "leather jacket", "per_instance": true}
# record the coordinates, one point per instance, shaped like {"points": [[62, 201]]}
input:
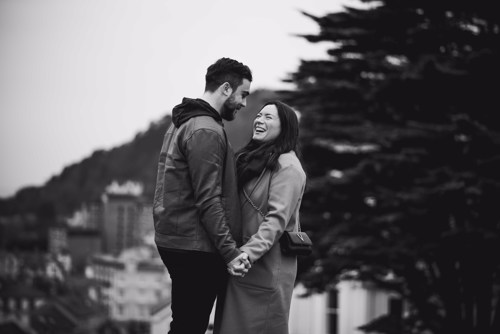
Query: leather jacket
{"points": [[196, 206]]}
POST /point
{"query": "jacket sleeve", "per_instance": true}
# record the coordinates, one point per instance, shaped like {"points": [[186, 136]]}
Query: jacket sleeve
{"points": [[205, 152], [285, 191]]}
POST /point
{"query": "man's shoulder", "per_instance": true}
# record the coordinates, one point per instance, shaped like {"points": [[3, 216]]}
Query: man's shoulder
{"points": [[203, 128], [204, 123]]}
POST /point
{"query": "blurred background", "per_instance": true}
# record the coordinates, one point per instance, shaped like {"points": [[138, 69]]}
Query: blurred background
{"points": [[399, 136]]}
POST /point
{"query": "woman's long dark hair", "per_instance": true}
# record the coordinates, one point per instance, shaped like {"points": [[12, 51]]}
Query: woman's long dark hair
{"points": [[255, 156]]}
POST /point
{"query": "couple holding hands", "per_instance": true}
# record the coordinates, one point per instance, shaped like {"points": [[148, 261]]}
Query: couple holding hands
{"points": [[219, 215]]}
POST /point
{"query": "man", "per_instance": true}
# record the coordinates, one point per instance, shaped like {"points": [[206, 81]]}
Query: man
{"points": [[196, 206]]}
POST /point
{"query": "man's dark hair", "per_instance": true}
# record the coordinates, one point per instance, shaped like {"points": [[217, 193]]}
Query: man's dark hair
{"points": [[226, 70]]}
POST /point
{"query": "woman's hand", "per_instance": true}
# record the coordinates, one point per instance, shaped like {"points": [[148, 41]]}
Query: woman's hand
{"points": [[239, 266]]}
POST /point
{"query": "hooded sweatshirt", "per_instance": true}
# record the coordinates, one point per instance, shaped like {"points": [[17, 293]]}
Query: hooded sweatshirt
{"points": [[190, 108]]}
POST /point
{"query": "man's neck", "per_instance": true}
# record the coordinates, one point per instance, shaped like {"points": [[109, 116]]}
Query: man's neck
{"points": [[214, 101]]}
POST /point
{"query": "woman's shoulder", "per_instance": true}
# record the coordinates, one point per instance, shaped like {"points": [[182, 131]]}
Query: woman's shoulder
{"points": [[289, 161], [289, 158]]}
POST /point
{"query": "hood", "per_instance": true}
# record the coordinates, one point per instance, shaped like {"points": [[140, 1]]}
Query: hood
{"points": [[190, 108]]}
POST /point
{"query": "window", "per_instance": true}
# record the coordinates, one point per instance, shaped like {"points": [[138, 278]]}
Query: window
{"points": [[143, 310], [396, 307], [332, 310], [119, 309], [396, 312], [25, 304], [12, 304]]}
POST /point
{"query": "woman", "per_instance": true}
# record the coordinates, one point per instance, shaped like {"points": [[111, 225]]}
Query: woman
{"points": [[271, 182]]}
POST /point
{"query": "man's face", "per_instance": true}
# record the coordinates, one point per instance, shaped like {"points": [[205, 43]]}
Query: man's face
{"points": [[236, 101]]}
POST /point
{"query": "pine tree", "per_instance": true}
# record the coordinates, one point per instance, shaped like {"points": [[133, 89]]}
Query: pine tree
{"points": [[402, 148]]}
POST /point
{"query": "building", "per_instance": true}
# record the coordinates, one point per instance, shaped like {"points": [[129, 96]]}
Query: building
{"points": [[57, 266], [58, 239], [314, 313], [68, 314], [133, 283], [10, 265], [161, 316], [361, 302], [120, 230], [90, 216], [121, 219], [82, 244], [17, 301], [127, 217], [342, 310], [145, 219], [78, 243]]}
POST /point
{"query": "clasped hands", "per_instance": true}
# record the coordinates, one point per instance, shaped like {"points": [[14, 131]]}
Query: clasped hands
{"points": [[239, 266]]}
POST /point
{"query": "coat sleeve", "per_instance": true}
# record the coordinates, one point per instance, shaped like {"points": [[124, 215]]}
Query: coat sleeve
{"points": [[205, 152], [285, 191]]}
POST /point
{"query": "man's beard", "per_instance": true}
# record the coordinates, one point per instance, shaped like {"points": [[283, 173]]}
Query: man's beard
{"points": [[229, 109]]}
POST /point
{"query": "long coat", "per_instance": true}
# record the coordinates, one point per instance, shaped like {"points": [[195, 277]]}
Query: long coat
{"points": [[259, 303]]}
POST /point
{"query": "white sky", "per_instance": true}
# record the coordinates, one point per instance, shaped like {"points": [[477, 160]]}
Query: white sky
{"points": [[81, 75]]}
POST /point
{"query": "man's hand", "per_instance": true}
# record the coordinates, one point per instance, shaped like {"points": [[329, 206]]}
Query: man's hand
{"points": [[239, 266]]}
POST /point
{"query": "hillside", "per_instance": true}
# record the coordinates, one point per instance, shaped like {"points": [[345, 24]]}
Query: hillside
{"points": [[136, 160]]}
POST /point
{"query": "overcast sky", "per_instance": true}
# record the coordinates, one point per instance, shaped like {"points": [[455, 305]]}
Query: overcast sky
{"points": [[81, 75]]}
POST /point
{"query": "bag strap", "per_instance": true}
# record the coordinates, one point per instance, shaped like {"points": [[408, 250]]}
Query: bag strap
{"points": [[253, 204], [259, 210]]}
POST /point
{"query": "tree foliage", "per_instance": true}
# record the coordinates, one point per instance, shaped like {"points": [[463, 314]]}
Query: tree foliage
{"points": [[402, 146]]}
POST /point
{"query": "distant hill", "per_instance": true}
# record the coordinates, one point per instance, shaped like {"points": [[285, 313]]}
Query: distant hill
{"points": [[136, 160]]}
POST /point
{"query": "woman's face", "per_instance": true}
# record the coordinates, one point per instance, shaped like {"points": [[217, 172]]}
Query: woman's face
{"points": [[267, 125]]}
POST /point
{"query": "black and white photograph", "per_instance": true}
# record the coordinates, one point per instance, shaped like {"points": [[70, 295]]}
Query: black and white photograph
{"points": [[249, 167]]}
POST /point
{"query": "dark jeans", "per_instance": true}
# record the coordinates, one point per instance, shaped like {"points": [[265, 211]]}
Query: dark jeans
{"points": [[197, 279]]}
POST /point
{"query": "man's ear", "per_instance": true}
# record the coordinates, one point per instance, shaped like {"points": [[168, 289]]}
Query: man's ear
{"points": [[226, 89]]}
